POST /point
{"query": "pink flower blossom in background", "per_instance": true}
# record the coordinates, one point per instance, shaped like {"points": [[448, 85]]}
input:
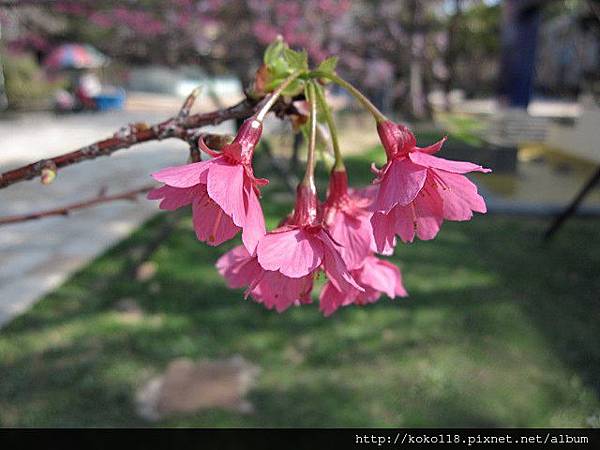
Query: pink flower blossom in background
{"points": [[375, 276], [270, 288], [348, 220], [223, 191], [417, 191], [302, 246]]}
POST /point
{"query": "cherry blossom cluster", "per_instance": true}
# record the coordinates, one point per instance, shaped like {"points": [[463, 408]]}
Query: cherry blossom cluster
{"points": [[340, 237]]}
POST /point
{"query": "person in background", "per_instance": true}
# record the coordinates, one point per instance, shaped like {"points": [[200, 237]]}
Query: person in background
{"points": [[87, 87]]}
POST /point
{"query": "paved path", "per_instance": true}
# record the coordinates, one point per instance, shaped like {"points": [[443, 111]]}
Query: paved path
{"points": [[38, 256]]}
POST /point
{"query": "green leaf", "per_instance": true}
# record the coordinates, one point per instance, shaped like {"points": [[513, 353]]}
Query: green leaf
{"points": [[281, 62], [328, 65], [292, 90], [274, 52], [296, 60]]}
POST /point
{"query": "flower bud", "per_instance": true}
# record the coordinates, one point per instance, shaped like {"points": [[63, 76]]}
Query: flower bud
{"points": [[48, 175]]}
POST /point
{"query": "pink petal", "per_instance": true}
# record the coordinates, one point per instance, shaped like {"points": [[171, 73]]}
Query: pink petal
{"points": [[331, 299], [334, 266], [431, 149], [225, 186], [211, 223], [294, 253], [422, 217], [425, 160], [404, 218], [382, 276], [238, 268], [173, 198], [355, 235], [280, 292], [184, 176], [428, 212], [459, 196], [384, 232], [254, 222], [400, 185], [365, 196]]}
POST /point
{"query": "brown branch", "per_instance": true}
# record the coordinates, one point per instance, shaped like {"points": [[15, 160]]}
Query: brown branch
{"points": [[66, 210], [176, 127], [184, 127], [189, 102]]}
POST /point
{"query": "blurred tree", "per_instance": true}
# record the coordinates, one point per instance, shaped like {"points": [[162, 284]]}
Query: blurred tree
{"points": [[396, 50], [3, 98], [473, 37]]}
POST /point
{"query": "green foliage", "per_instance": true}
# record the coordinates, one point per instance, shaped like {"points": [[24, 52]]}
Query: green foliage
{"points": [[476, 38], [328, 65], [498, 331], [296, 60], [281, 62]]}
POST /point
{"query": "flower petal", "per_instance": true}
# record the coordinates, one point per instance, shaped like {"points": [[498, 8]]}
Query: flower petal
{"points": [[294, 253], [384, 232], [382, 276], [434, 148], [428, 212], [400, 184], [211, 223], [225, 186], [275, 290], [459, 196], [426, 160], [238, 268], [254, 223], [334, 266], [184, 176], [354, 234], [404, 222], [331, 299], [173, 198]]}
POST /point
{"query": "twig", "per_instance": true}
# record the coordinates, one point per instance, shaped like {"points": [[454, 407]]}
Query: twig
{"points": [[66, 210], [184, 112], [182, 126]]}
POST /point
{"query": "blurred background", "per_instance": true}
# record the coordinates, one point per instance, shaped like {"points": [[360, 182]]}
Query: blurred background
{"points": [[116, 316]]}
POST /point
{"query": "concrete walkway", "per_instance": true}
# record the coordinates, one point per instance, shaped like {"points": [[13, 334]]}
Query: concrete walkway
{"points": [[37, 256]]}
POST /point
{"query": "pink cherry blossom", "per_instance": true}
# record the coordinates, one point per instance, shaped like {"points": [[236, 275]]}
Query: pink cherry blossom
{"points": [[417, 191], [302, 246], [223, 191], [375, 276], [270, 288], [348, 220]]}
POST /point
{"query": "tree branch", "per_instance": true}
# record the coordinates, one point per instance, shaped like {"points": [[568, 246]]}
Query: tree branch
{"points": [[66, 210], [175, 127], [183, 126]]}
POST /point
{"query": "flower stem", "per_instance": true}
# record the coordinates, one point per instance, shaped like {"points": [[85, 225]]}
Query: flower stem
{"points": [[339, 161], [309, 178], [378, 115], [260, 116]]}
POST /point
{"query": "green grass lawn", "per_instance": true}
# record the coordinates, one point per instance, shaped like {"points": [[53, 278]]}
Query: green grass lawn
{"points": [[498, 331]]}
